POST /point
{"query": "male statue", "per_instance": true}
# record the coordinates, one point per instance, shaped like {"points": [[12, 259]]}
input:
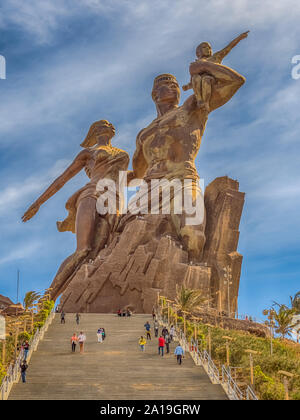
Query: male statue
{"points": [[167, 148]]}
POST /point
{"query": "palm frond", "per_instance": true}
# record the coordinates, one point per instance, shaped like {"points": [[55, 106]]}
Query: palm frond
{"points": [[188, 300], [30, 298]]}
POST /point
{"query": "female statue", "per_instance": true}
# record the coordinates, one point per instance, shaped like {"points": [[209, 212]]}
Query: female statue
{"points": [[100, 160]]}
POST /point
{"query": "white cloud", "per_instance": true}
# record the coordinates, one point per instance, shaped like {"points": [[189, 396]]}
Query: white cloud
{"points": [[163, 34], [23, 251], [43, 19], [13, 195]]}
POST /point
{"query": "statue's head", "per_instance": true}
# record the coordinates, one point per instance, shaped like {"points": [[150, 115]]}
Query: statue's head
{"points": [[165, 89], [204, 50], [101, 128]]}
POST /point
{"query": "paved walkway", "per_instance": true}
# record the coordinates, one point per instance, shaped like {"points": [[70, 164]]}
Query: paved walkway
{"points": [[114, 369]]}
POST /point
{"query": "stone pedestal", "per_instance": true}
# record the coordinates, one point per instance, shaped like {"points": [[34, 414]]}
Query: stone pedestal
{"points": [[145, 257]]}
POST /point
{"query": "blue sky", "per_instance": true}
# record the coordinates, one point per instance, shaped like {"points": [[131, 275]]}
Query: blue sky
{"points": [[70, 63]]}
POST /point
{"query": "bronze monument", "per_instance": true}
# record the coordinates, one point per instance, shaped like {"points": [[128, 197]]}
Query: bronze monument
{"points": [[124, 260]]}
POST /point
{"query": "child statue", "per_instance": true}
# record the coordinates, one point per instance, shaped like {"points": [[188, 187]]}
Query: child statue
{"points": [[202, 83]]}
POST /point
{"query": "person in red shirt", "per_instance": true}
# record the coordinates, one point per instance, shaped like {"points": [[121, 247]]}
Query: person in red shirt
{"points": [[74, 340], [161, 345]]}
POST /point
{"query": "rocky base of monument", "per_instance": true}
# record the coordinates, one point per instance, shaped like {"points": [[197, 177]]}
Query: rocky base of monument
{"points": [[145, 256]]}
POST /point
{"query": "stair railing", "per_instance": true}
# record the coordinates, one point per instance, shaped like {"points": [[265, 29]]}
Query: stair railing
{"points": [[250, 395], [230, 386], [202, 357], [14, 370]]}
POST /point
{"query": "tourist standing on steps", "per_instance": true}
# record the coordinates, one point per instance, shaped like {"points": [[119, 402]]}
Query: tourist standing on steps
{"points": [[81, 340], [62, 318], [148, 327], [167, 341], [142, 343], [23, 367], [100, 335], [119, 313], [77, 316], [74, 340], [128, 312], [156, 326], [179, 353], [26, 349], [161, 345], [103, 334], [153, 314], [164, 332], [172, 332]]}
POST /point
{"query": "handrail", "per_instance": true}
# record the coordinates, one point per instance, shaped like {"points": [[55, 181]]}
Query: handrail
{"points": [[202, 357], [199, 357], [250, 395], [233, 391], [14, 370]]}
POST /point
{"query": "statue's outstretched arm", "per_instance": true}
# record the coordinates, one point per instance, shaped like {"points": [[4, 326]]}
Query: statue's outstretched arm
{"points": [[222, 53], [228, 81], [75, 167]]}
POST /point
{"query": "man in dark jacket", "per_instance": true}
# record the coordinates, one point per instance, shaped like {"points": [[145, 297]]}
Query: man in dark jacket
{"points": [[23, 367]]}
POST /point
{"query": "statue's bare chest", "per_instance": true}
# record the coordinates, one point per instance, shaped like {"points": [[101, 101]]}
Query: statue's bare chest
{"points": [[171, 124]]}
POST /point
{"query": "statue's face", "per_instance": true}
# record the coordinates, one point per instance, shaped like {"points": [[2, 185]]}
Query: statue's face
{"points": [[166, 91], [204, 50], [104, 128]]}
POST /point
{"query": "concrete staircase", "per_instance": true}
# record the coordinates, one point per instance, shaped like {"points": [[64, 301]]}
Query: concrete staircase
{"points": [[112, 370]]}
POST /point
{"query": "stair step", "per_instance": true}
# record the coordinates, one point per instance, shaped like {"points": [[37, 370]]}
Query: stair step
{"points": [[112, 370]]}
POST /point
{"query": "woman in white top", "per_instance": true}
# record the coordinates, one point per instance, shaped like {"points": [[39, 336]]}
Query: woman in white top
{"points": [[99, 335], [172, 332], [81, 340]]}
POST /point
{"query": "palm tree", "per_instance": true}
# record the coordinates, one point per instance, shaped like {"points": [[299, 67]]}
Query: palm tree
{"points": [[295, 302], [188, 300], [284, 318], [30, 298]]}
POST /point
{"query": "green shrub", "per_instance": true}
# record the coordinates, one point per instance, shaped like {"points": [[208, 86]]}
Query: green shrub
{"points": [[2, 372], [23, 336], [268, 384], [295, 395], [269, 388], [48, 304], [272, 391], [38, 325]]}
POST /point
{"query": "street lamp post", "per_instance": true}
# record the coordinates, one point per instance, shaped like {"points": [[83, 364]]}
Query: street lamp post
{"points": [[17, 326], [184, 322], [251, 352], [195, 319], [286, 377], [271, 324], [219, 293], [209, 338], [228, 282], [171, 310], [168, 312], [228, 339]]}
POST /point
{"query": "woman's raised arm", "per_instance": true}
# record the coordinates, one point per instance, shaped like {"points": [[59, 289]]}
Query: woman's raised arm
{"points": [[78, 163]]}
